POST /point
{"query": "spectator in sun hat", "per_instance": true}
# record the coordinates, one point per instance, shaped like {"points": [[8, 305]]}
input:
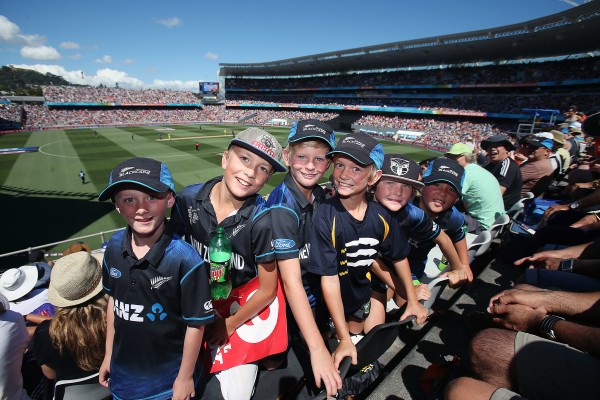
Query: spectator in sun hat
{"points": [[15, 283], [13, 343], [537, 171], [504, 168], [71, 344], [560, 153], [481, 195]]}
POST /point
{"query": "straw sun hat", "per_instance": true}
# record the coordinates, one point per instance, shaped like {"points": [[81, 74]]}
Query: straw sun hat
{"points": [[76, 278]]}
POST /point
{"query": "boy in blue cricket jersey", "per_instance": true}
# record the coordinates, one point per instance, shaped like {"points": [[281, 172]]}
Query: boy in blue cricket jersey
{"points": [[158, 286]]}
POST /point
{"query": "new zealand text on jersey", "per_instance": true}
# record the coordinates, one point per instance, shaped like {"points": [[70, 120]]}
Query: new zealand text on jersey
{"points": [[237, 261]]}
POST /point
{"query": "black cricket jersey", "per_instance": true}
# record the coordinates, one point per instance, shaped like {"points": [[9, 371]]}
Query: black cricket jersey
{"points": [[249, 229], [155, 300], [451, 221], [291, 217], [344, 246], [508, 174]]}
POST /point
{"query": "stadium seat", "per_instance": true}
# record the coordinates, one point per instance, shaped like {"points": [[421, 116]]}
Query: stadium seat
{"points": [[86, 388], [480, 245], [497, 227], [519, 205]]}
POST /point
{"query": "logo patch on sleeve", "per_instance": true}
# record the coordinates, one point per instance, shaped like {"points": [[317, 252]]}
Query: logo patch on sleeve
{"points": [[283, 244]]}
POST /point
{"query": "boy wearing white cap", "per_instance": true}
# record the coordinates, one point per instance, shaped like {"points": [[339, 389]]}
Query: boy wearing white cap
{"points": [[158, 286]]}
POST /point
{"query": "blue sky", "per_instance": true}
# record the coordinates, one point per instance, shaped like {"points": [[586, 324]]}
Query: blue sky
{"points": [[174, 44]]}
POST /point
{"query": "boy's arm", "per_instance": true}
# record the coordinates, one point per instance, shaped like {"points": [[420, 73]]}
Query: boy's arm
{"points": [[330, 284], [320, 359], [449, 251], [183, 387], [413, 307], [104, 372], [461, 274]]}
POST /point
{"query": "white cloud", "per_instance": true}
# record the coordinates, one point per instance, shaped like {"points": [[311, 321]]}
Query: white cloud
{"points": [[40, 53], [75, 56], [170, 22], [105, 76], [211, 56], [10, 33], [128, 61], [106, 59], [70, 45]]}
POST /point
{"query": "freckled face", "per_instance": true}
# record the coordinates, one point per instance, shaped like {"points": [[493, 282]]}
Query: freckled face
{"points": [[143, 210]]}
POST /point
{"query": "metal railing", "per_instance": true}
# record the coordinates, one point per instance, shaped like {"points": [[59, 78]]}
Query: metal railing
{"points": [[49, 245]]}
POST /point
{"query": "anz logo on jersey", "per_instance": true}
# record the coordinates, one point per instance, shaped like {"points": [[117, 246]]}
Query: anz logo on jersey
{"points": [[134, 312]]}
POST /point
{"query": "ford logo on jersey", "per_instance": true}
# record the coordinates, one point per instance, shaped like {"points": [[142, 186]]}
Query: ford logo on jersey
{"points": [[282, 244], [115, 273]]}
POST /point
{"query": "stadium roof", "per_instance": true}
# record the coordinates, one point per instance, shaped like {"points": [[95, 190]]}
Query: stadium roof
{"points": [[574, 31]]}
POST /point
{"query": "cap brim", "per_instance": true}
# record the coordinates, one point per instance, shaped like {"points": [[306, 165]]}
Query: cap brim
{"points": [[277, 166], [298, 138], [448, 182], [108, 191], [362, 161], [415, 184]]}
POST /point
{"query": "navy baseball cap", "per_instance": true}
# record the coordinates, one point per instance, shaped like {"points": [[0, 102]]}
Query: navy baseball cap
{"points": [[145, 172], [540, 142], [261, 143], [445, 170], [361, 147], [312, 129], [401, 169]]}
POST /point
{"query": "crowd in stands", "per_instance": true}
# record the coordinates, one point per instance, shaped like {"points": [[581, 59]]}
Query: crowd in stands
{"points": [[101, 94], [558, 71]]}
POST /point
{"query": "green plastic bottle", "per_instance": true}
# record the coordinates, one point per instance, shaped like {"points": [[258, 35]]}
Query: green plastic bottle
{"points": [[219, 252]]}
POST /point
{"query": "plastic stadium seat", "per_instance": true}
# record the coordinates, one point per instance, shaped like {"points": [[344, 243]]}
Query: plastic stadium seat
{"points": [[86, 388], [498, 226], [480, 245]]}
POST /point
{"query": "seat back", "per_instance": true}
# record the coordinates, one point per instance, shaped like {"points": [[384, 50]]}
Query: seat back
{"points": [[87, 388], [498, 226], [480, 245]]}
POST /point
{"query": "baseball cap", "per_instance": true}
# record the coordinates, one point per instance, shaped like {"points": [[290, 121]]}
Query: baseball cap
{"points": [[445, 170], [145, 172], [497, 139], [312, 129], [401, 169], [261, 143], [361, 147], [541, 142], [460, 148], [591, 125]]}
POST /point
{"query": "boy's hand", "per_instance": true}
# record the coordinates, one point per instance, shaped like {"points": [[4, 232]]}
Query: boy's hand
{"points": [[345, 348], [183, 388], [418, 310], [104, 372], [324, 371], [217, 334], [458, 277]]}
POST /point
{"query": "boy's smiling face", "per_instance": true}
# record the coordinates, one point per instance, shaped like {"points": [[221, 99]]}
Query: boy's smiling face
{"points": [[307, 163], [392, 194], [438, 197], [143, 210], [245, 173], [351, 178]]}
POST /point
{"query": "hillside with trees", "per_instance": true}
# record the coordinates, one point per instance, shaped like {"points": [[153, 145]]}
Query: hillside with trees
{"points": [[26, 82]]}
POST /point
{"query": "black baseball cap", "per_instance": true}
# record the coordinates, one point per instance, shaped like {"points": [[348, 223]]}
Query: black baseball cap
{"points": [[497, 139], [401, 169], [445, 170], [145, 172], [361, 147], [591, 125], [312, 129]]}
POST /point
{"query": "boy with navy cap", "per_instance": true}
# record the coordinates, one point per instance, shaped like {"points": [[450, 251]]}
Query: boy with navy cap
{"points": [[398, 186], [159, 298], [232, 202], [443, 181], [291, 207], [349, 233]]}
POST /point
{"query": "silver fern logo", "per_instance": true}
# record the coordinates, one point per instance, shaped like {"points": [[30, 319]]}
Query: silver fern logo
{"points": [[157, 281]]}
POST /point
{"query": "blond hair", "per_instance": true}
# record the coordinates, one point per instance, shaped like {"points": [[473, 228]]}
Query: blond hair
{"points": [[81, 330]]}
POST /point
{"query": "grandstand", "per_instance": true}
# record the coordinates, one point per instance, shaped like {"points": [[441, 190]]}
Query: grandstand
{"points": [[446, 89]]}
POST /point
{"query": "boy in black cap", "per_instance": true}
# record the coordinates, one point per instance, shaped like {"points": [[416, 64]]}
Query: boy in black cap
{"points": [[291, 207], [349, 232], [395, 190], [158, 288], [443, 184], [232, 201]]}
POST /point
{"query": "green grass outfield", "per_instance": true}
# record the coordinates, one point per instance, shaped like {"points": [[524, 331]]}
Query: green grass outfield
{"points": [[44, 201]]}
